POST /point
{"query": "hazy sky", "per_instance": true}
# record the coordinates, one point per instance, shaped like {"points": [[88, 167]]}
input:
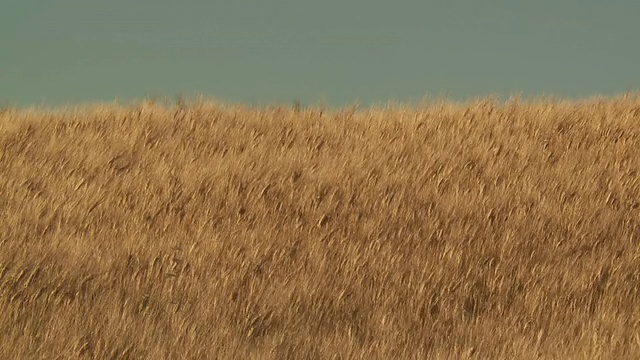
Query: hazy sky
{"points": [[332, 51]]}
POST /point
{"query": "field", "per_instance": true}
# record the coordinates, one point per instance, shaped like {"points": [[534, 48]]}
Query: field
{"points": [[485, 229]]}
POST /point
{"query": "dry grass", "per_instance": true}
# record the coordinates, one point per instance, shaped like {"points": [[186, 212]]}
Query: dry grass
{"points": [[478, 230]]}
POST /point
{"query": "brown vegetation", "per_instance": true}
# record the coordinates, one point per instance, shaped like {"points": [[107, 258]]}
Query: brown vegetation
{"points": [[478, 230]]}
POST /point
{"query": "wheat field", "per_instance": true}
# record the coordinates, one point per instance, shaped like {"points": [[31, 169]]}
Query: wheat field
{"points": [[202, 230]]}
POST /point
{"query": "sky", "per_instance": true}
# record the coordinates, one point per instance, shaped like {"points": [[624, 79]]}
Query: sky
{"points": [[335, 52]]}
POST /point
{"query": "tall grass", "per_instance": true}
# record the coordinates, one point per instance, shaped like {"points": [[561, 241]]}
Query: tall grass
{"points": [[476, 230]]}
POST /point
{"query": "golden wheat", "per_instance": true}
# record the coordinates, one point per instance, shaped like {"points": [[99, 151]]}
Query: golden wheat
{"points": [[477, 230]]}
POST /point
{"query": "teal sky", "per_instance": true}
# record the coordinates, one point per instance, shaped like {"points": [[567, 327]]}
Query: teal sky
{"points": [[331, 51]]}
